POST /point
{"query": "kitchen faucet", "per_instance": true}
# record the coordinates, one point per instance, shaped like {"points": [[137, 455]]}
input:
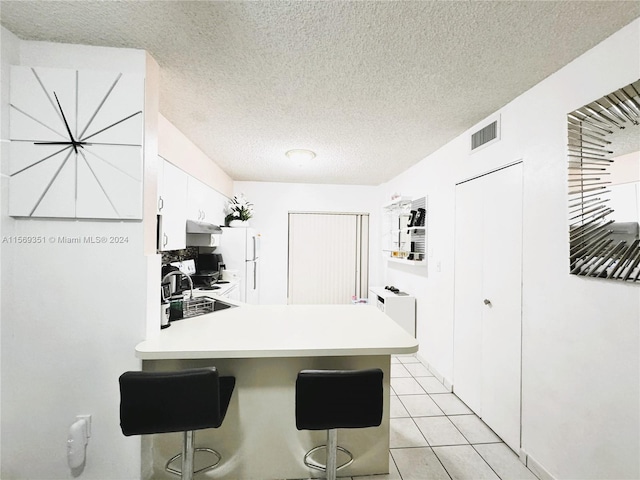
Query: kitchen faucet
{"points": [[178, 272]]}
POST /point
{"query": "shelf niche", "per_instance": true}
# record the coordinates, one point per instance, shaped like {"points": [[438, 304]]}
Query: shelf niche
{"points": [[405, 231]]}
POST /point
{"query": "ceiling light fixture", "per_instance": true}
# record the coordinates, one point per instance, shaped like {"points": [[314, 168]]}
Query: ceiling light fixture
{"points": [[300, 155]]}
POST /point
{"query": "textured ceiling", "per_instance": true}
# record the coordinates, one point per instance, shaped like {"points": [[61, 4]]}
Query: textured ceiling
{"points": [[371, 87]]}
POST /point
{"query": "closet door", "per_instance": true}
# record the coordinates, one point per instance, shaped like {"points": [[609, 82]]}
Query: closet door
{"points": [[488, 299], [502, 317], [468, 267]]}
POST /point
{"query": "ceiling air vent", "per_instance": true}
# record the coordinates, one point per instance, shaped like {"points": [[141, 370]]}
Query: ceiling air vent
{"points": [[486, 135]]}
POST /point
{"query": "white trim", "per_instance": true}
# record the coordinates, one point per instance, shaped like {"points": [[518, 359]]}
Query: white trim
{"points": [[539, 471], [502, 167], [445, 381]]}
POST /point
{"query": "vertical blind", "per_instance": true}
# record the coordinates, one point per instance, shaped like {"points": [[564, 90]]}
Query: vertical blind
{"points": [[326, 253]]}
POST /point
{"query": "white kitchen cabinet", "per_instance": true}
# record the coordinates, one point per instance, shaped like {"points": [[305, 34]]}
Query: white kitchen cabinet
{"points": [[160, 200], [200, 201], [173, 208]]}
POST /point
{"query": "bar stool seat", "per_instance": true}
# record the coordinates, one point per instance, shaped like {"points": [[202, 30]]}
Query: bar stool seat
{"points": [[332, 399], [178, 401]]}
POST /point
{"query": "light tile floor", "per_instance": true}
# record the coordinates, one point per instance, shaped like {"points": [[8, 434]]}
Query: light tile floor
{"points": [[434, 435]]}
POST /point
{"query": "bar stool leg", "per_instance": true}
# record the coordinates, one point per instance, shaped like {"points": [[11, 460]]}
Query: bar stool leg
{"points": [[332, 453], [187, 456]]}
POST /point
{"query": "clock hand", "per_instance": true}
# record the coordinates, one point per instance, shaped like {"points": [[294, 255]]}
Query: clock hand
{"points": [[80, 144], [73, 142]]}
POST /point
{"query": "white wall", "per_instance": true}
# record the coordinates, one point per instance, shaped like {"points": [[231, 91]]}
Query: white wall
{"points": [[175, 147], [71, 314], [581, 337], [274, 201], [9, 53]]}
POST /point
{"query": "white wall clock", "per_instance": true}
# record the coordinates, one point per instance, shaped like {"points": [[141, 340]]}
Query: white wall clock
{"points": [[76, 144]]}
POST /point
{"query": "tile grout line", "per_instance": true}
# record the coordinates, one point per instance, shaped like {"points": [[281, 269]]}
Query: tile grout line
{"points": [[395, 465], [423, 435], [427, 440], [471, 445], [416, 425], [455, 426]]}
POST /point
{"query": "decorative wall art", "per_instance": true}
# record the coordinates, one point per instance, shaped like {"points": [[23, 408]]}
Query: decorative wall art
{"points": [[604, 186], [76, 144]]}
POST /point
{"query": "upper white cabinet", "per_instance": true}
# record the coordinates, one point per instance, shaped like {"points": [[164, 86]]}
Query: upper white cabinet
{"points": [[404, 230], [182, 197], [172, 207], [201, 204], [160, 201]]}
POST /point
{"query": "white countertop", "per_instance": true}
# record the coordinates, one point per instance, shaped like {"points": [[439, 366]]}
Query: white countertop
{"points": [[255, 331]]}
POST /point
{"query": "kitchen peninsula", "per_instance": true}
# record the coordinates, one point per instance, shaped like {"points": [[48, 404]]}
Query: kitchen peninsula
{"points": [[264, 347]]}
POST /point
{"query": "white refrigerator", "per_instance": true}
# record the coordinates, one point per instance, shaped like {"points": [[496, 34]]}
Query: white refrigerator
{"points": [[240, 249]]}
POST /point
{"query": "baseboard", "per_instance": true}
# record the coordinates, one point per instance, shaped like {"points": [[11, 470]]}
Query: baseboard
{"points": [[445, 381], [538, 470]]}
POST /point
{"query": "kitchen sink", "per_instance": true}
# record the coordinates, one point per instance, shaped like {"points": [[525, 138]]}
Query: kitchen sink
{"points": [[194, 307]]}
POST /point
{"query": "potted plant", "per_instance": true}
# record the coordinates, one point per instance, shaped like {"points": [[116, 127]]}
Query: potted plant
{"points": [[238, 211]]}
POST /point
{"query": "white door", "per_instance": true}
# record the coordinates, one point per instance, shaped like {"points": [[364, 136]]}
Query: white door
{"points": [[468, 265], [488, 299], [326, 254]]}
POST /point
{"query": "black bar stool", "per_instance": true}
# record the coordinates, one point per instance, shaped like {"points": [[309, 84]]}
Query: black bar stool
{"points": [[332, 399], [180, 401]]}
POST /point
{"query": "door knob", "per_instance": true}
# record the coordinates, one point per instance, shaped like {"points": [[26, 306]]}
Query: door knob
{"points": [[487, 302]]}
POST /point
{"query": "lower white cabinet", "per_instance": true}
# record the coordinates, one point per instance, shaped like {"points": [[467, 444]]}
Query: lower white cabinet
{"points": [[401, 308]]}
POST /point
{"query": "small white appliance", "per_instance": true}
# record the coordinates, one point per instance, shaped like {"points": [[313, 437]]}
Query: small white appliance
{"points": [[241, 251]]}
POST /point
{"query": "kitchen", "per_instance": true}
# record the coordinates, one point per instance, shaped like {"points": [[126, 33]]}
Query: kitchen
{"points": [[96, 313]]}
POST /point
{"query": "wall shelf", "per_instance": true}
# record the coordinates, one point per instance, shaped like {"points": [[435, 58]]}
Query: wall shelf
{"points": [[406, 262], [405, 230], [397, 204]]}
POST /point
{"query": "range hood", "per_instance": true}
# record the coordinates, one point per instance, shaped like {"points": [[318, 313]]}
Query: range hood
{"points": [[194, 226]]}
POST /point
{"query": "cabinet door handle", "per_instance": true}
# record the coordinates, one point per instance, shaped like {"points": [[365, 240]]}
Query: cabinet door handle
{"points": [[165, 239], [487, 302], [160, 203]]}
